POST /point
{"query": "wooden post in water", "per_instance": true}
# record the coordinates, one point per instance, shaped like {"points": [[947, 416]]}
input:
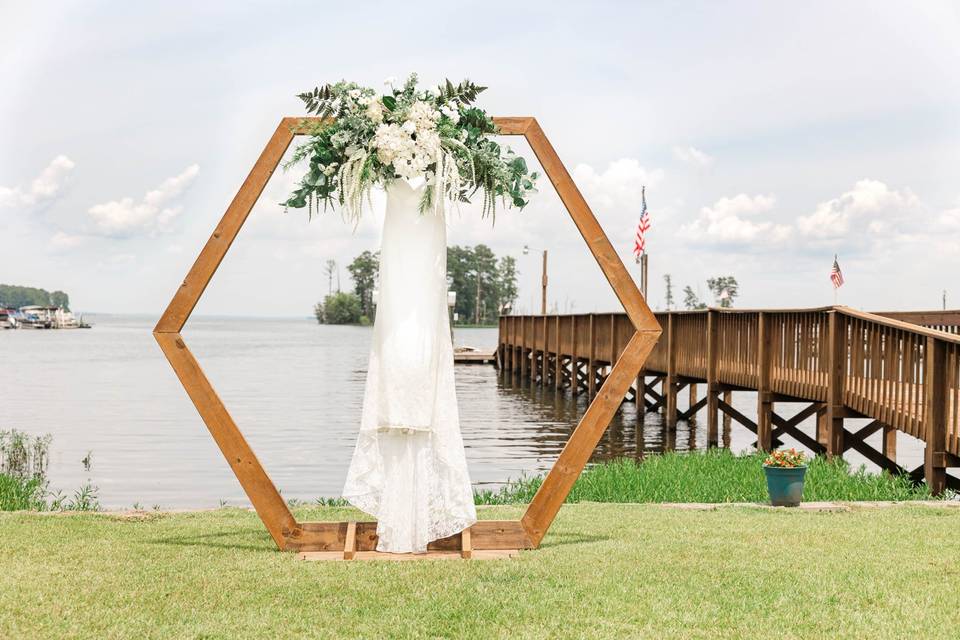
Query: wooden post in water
{"points": [[764, 394], [591, 371], [713, 409], [670, 381], [935, 414], [574, 358], [523, 347], [692, 418], [558, 358]]}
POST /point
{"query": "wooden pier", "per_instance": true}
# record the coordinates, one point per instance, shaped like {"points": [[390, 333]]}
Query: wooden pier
{"points": [[900, 370]]}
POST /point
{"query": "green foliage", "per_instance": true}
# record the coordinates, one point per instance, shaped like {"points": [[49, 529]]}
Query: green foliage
{"points": [[339, 308], [483, 284], [725, 289], [16, 296], [345, 159], [23, 477], [363, 270], [691, 300], [18, 494], [712, 476], [668, 283], [466, 92]]}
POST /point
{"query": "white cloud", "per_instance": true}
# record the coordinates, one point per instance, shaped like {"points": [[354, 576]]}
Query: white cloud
{"points": [[43, 188], [154, 213], [62, 240], [729, 221], [692, 155], [950, 219], [617, 186], [870, 206]]}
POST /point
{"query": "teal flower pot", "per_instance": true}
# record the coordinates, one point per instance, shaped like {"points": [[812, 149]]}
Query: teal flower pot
{"points": [[785, 485]]}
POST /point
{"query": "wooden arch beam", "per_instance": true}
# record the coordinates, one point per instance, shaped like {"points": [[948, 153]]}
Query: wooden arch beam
{"points": [[263, 494]]}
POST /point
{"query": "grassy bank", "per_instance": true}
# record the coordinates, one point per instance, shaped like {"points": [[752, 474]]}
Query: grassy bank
{"points": [[24, 459], [712, 476], [603, 571]]}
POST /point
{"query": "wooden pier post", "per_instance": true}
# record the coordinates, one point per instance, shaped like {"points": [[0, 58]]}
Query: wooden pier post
{"points": [[836, 372], [890, 443], [533, 351], [558, 357], [692, 418], [523, 347], [764, 394], [574, 358], [935, 414], [670, 382], [591, 370], [713, 409]]}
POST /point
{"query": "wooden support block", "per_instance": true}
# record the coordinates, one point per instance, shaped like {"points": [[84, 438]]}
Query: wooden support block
{"points": [[350, 543], [466, 549]]}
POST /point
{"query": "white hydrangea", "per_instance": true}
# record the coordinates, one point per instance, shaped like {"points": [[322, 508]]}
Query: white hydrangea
{"points": [[423, 115], [390, 141], [409, 155]]}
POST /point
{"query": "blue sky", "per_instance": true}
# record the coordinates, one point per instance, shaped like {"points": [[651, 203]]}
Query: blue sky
{"points": [[770, 136]]}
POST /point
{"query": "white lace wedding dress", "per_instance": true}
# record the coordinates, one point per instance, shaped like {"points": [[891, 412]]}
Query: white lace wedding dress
{"points": [[408, 469]]}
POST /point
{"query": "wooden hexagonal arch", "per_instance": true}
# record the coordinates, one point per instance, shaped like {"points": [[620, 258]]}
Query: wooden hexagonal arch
{"points": [[351, 537]]}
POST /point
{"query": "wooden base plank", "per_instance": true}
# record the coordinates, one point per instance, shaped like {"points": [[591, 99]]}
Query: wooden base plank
{"points": [[485, 554], [332, 536]]}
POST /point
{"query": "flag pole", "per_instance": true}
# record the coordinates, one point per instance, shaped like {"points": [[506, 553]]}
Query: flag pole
{"points": [[643, 275]]}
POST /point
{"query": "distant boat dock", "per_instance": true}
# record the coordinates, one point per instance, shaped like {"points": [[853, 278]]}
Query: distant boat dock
{"points": [[470, 355]]}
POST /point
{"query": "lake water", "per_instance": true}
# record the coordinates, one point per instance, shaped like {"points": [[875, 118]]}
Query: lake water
{"points": [[294, 388]]}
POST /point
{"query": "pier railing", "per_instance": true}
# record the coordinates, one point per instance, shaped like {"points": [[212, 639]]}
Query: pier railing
{"points": [[847, 363]]}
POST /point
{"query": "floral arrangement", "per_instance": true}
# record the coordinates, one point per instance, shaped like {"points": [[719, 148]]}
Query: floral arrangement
{"points": [[788, 458], [368, 138]]}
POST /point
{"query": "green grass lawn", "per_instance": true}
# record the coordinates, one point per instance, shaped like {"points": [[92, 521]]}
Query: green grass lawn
{"points": [[604, 571]]}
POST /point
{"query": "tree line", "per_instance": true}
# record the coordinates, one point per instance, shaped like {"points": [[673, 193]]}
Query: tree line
{"points": [[12, 296], [486, 286], [725, 290]]}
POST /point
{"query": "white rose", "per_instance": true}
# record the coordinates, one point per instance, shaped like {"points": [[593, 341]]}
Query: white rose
{"points": [[375, 111], [451, 112]]}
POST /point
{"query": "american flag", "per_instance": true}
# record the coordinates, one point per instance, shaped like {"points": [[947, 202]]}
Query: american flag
{"points": [[836, 276], [640, 241]]}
